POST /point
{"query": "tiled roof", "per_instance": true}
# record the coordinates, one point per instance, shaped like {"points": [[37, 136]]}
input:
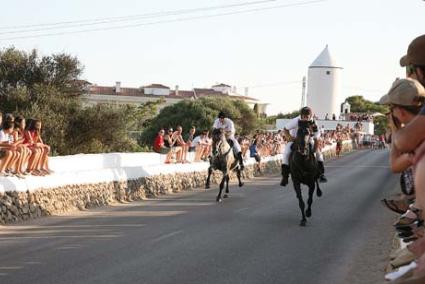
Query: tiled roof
{"points": [[138, 92]]}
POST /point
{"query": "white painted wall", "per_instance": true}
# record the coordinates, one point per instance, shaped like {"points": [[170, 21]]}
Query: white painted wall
{"points": [[223, 89], [156, 91]]}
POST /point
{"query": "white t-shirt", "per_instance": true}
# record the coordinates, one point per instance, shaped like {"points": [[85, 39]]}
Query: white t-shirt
{"points": [[227, 125], [5, 137], [196, 141], [292, 126]]}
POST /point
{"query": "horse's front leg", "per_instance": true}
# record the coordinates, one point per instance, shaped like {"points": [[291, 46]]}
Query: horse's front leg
{"points": [[226, 193], [238, 174], [297, 188], [207, 184], [310, 199], [218, 199]]}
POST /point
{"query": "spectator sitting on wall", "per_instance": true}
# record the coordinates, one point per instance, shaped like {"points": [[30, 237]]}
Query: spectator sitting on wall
{"points": [[159, 145], [33, 134], [189, 138], [169, 143], [200, 144], [8, 154], [179, 142]]}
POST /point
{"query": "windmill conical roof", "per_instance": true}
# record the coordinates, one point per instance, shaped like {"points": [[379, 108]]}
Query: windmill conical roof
{"points": [[325, 59]]}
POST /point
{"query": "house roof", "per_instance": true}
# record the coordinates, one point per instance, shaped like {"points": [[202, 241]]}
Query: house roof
{"points": [[139, 92], [156, 86], [221, 85]]}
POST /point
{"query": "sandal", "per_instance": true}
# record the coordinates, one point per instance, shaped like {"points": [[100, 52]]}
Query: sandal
{"points": [[395, 205]]}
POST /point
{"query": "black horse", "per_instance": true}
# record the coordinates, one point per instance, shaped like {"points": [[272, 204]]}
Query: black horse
{"points": [[304, 169], [223, 159]]}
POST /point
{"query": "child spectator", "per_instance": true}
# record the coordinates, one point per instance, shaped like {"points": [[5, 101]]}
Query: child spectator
{"points": [[8, 154], [33, 135], [22, 148]]}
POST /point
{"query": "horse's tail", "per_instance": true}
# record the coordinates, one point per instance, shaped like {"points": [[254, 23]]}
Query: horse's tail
{"points": [[318, 190]]}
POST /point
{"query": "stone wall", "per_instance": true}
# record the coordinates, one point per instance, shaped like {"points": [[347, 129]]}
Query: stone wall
{"points": [[17, 206]]}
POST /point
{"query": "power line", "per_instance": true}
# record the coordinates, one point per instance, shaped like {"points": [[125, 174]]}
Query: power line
{"points": [[99, 21], [164, 21]]}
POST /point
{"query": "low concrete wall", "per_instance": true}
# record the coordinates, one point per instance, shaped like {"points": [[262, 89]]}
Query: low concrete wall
{"points": [[84, 181]]}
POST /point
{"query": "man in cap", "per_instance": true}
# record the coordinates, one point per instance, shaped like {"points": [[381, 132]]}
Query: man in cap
{"points": [[225, 123], [408, 138], [405, 99]]}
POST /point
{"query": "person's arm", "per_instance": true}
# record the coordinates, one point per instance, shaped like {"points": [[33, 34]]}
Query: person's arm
{"points": [[410, 136], [399, 161]]}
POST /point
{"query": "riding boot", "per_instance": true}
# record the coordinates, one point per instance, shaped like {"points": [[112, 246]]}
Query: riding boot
{"points": [[322, 177], [285, 175], [239, 156]]}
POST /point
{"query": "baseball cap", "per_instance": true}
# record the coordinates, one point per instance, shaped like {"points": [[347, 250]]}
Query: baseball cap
{"points": [[404, 92], [415, 52]]}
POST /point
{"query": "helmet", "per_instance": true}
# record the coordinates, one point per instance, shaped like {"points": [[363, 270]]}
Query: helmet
{"points": [[221, 114], [306, 111]]}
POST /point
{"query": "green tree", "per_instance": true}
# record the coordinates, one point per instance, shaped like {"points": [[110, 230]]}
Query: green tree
{"points": [[292, 114], [21, 69], [46, 88], [360, 104]]}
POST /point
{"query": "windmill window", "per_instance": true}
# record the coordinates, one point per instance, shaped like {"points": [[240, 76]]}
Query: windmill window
{"points": [[328, 72]]}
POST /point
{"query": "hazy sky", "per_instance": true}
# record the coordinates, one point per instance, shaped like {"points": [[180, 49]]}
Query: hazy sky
{"points": [[267, 50]]}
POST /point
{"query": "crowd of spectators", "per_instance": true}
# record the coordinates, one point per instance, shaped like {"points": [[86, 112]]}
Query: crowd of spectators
{"points": [[406, 100], [196, 145], [22, 151]]}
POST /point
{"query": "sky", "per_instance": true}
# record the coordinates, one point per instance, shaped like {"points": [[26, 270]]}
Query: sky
{"points": [[267, 49]]}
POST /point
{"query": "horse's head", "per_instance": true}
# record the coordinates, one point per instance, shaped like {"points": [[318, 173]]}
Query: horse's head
{"points": [[302, 141], [217, 138]]}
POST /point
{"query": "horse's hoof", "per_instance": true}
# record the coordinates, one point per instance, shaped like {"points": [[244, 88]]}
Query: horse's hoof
{"points": [[241, 184], [225, 196], [207, 187], [319, 193], [303, 222], [308, 213], [219, 200]]}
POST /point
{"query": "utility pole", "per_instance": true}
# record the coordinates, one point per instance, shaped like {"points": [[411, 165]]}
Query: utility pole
{"points": [[303, 95]]}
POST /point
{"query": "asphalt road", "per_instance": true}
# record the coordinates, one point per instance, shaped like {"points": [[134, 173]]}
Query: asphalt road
{"points": [[252, 237]]}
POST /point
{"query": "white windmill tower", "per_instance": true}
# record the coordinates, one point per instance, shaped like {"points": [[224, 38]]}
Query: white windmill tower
{"points": [[323, 94]]}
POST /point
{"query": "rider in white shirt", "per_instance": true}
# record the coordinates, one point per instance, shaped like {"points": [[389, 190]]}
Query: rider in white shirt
{"points": [[225, 123], [290, 130]]}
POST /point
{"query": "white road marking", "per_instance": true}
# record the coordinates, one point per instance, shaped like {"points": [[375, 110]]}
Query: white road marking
{"points": [[161, 238]]}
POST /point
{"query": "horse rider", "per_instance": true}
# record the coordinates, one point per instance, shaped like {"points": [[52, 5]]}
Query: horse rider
{"points": [[225, 123], [290, 130]]}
